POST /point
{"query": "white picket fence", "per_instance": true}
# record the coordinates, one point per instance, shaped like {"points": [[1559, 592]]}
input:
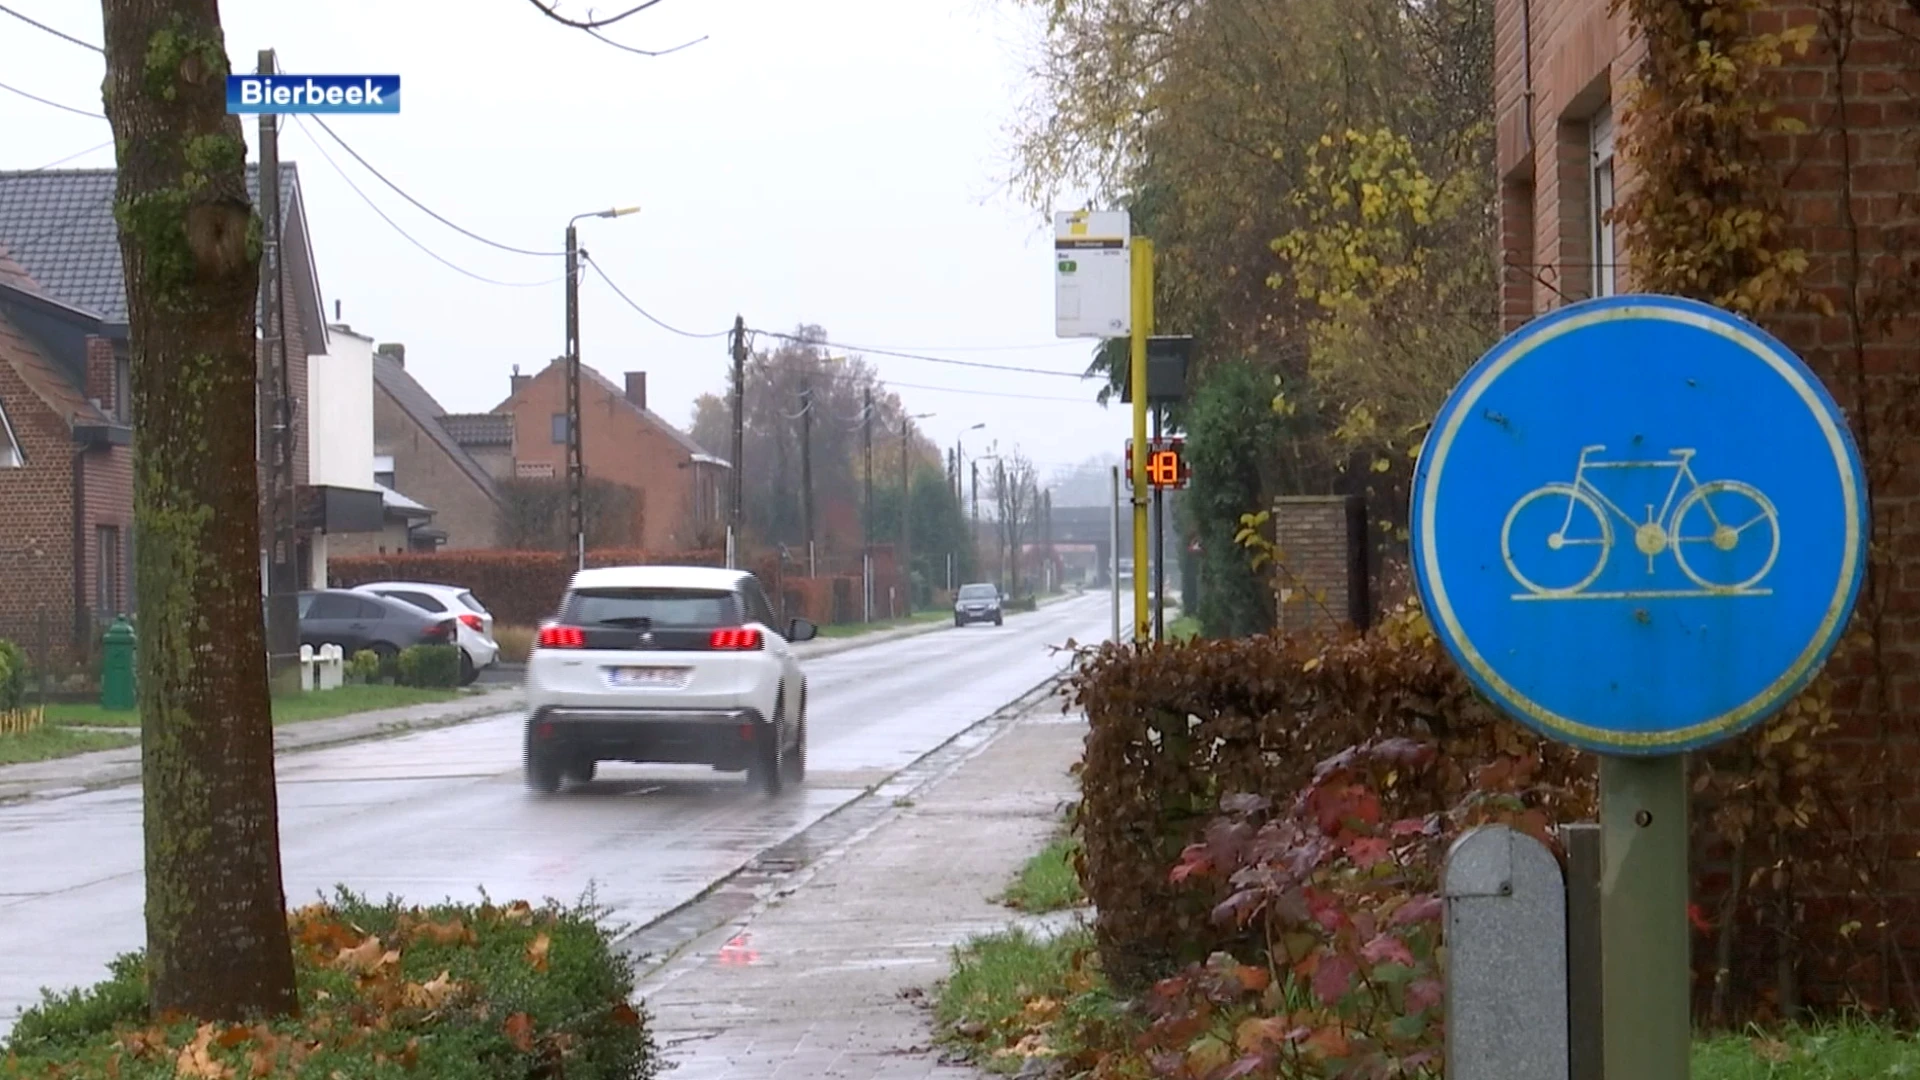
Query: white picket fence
{"points": [[324, 670]]}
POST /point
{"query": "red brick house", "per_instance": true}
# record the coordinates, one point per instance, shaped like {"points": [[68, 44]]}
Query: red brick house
{"points": [[1847, 176], [682, 488], [64, 298], [66, 476]]}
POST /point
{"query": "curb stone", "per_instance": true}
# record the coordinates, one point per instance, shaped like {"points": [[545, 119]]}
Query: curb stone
{"points": [[736, 899]]}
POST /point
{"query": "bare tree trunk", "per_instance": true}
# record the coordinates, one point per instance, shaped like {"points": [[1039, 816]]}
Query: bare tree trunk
{"points": [[217, 943]]}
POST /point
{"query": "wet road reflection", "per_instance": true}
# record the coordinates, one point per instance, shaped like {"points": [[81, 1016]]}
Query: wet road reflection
{"points": [[443, 814]]}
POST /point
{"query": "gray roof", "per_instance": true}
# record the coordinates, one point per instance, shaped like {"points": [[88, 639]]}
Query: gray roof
{"points": [[425, 412], [479, 429], [58, 224]]}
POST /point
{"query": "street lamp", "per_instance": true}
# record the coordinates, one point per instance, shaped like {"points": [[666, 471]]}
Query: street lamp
{"points": [[576, 473]]}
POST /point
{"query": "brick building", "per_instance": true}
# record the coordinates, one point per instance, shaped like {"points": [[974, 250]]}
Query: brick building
{"points": [[66, 476], [68, 289], [682, 489], [1849, 180], [439, 493]]}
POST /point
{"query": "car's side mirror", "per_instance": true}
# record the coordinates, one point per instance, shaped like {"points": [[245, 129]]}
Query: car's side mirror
{"points": [[802, 630]]}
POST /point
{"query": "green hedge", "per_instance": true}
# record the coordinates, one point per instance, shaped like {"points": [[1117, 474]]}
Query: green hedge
{"points": [[13, 676], [430, 665], [453, 992]]}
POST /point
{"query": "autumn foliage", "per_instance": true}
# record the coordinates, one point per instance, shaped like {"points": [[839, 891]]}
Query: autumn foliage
{"points": [[1175, 727], [455, 992]]}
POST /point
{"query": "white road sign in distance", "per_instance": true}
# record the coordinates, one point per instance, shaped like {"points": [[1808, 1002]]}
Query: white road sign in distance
{"points": [[1092, 274]]}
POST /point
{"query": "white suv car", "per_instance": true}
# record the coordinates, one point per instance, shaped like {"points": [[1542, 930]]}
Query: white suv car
{"points": [[676, 664], [478, 650]]}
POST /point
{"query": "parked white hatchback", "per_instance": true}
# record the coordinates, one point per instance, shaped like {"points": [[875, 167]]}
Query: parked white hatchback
{"points": [[666, 664], [478, 650]]}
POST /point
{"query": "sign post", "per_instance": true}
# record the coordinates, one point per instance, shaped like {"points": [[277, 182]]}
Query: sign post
{"points": [[1639, 528]]}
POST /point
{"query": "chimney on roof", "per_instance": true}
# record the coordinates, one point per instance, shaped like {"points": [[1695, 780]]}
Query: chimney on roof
{"points": [[518, 379], [637, 388], [394, 351]]}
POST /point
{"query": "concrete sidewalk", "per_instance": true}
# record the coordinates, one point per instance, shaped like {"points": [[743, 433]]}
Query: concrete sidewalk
{"points": [[816, 980], [105, 768]]}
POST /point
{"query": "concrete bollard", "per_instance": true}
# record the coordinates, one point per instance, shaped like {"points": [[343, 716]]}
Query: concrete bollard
{"points": [[1506, 958], [332, 667], [306, 667]]}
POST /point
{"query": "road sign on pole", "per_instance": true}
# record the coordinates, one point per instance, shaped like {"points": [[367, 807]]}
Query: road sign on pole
{"points": [[1640, 527], [1093, 283]]}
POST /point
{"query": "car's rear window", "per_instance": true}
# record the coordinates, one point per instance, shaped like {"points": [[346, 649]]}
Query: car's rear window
{"points": [[473, 603], [977, 592], [699, 608]]}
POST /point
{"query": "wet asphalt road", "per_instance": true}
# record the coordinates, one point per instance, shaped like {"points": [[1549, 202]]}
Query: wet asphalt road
{"points": [[443, 814]]}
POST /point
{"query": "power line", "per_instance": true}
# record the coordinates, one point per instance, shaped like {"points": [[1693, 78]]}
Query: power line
{"points": [[51, 30], [55, 104], [57, 163], [798, 340], [423, 207], [643, 311], [552, 11], [409, 236]]}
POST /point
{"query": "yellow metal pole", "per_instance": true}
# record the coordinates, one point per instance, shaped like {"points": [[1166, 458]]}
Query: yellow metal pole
{"points": [[1142, 271]]}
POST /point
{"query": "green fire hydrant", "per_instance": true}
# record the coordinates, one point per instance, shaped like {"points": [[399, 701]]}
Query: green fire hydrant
{"points": [[116, 673]]}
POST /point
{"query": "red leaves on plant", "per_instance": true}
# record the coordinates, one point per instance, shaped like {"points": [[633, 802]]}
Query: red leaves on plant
{"points": [[624, 1015], [1420, 909], [1422, 826], [1194, 862], [1332, 977], [1699, 919], [1423, 994], [1386, 948], [1329, 1042], [1368, 852]]}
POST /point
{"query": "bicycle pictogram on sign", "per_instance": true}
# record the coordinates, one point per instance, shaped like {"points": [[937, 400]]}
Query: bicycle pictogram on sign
{"points": [[1715, 531]]}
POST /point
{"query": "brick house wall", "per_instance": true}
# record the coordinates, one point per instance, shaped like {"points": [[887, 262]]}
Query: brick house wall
{"points": [[619, 443], [424, 471], [104, 586], [1318, 582], [36, 532], [1850, 182]]}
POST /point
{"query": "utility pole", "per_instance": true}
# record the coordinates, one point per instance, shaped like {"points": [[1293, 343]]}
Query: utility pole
{"points": [[1046, 533], [906, 514], [1006, 527], [973, 527], [276, 415], [866, 523], [576, 469], [806, 470], [739, 435]]}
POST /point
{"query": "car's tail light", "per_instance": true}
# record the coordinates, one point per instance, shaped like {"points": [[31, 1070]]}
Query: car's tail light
{"points": [[739, 637], [473, 623], [440, 631], [562, 637]]}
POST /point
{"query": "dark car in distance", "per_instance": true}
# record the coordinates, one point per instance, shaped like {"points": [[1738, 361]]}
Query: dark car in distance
{"points": [[977, 603], [357, 620]]}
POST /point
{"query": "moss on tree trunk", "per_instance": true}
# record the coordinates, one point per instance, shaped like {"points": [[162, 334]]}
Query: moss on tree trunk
{"points": [[217, 942]]}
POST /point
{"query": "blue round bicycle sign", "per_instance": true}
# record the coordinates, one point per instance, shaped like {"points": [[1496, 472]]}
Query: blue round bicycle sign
{"points": [[1639, 524]]}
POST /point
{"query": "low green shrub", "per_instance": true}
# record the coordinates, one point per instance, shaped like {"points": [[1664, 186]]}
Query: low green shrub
{"points": [[363, 667], [430, 666], [13, 676], [453, 992]]}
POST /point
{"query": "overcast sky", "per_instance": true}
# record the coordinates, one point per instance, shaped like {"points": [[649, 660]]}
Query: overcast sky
{"points": [[837, 162]]}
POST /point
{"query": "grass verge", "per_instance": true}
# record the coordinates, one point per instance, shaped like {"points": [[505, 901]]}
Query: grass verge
{"points": [[919, 618], [1845, 1050], [1049, 882], [318, 705], [51, 741], [1014, 996], [454, 992]]}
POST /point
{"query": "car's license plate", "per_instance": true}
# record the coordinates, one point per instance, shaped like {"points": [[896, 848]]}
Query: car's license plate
{"points": [[666, 677]]}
